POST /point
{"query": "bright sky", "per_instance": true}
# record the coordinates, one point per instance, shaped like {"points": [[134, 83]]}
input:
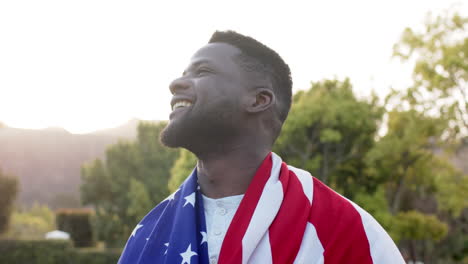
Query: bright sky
{"points": [[92, 64]]}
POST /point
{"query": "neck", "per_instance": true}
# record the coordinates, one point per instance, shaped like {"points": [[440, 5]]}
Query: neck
{"points": [[229, 173]]}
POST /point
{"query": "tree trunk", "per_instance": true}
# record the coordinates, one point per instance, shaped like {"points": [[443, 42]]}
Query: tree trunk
{"points": [[398, 193], [325, 165], [395, 206], [412, 251]]}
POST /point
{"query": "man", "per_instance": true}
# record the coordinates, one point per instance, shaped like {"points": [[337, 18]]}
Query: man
{"points": [[242, 204]]}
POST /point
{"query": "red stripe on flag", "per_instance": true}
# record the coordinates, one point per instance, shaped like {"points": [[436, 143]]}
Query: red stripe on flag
{"points": [[339, 227], [231, 249], [288, 228]]}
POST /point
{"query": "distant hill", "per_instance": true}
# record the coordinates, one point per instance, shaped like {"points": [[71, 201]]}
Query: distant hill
{"points": [[127, 130], [48, 161]]}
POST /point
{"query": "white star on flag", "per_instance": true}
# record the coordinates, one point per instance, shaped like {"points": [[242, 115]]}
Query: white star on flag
{"points": [[136, 229], [187, 255], [203, 238], [172, 196], [167, 245], [190, 199]]}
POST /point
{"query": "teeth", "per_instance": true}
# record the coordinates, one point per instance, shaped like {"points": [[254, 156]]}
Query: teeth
{"points": [[181, 104]]}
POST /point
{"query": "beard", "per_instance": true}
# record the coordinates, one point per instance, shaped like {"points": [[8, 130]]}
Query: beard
{"points": [[202, 131]]}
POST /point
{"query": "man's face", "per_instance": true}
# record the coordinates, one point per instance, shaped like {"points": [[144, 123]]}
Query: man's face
{"points": [[206, 103]]}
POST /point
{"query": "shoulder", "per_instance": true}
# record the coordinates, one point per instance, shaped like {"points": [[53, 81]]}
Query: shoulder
{"points": [[335, 218], [345, 229]]}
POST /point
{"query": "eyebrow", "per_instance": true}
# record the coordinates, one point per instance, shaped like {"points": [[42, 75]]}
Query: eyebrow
{"points": [[196, 64]]}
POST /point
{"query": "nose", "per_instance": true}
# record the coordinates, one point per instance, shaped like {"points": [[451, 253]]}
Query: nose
{"points": [[178, 85]]}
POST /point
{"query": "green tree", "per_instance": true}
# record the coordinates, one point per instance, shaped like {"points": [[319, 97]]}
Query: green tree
{"points": [[8, 192], [140, 202], [155, 161], [404, 156], [441, 70], [181, 169], [410, 173], [31, 223], [328, 132], [419, 231], [438, 98], [400, 178], [132, 179]]}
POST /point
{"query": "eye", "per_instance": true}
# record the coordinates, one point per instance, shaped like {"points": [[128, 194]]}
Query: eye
{"points": [[203, 70]]}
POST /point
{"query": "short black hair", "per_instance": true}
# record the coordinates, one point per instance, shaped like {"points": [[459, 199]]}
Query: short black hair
{"points": [[262, 59]]}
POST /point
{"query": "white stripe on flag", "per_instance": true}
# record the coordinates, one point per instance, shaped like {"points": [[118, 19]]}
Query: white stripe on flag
{"points": [[311, 250], [382, 248], [262, 253], [267, 208]]}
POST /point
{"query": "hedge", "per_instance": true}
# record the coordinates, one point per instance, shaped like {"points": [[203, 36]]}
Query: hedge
{"points": [[77, 222], [95, 256], [37, 252], [52, 252]]}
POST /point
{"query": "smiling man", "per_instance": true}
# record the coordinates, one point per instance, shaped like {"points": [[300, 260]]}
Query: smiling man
{"points": [[242, 204]]}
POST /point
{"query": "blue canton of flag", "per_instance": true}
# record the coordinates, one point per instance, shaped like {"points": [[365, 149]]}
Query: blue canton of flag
{"points": [[169, 234]]}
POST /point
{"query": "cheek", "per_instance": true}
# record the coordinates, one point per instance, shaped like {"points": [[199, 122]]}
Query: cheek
{"points": [[208, 90], [218, 93]]}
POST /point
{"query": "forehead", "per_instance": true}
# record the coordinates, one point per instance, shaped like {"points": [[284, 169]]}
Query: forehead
{"points": [[220, 54]]}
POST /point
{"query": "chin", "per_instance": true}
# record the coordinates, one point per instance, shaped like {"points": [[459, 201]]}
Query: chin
{"points": [[200, 133], [170, 137]]}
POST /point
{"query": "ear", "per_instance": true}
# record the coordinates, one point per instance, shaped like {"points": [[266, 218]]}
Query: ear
{"points": [[260, 100]]}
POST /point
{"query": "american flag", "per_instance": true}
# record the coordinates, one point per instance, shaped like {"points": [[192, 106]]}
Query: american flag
{"points": [[173, 232], [286, 216]]}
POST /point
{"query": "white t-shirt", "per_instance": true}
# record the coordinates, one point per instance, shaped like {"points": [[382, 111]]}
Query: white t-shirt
{"points": [[218, 216]]}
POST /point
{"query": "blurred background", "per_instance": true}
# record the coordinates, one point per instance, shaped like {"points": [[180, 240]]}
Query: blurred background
{"points": [[380, 114]]}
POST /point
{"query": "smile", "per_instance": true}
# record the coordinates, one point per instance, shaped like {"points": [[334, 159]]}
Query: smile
{"points": [[180, 104]]}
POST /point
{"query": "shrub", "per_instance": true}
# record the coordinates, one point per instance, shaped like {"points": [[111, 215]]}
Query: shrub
{"points": [[32, 223], [8, 191], [53, 252], [35, 251], [77, 222], [95, 256]]}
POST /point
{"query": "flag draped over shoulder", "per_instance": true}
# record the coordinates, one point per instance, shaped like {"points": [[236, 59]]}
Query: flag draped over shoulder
{"points": [[286, 216]]}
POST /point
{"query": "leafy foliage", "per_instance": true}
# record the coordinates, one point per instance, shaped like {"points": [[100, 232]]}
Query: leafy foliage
{"points": [[417, 226], [403, 159], [402, 178], [441, 69], [427, 122], [95, 256], [182, 168], [76, 222], [8, 192], [32, 223], [124, 187], [53, 252], [328, 132], [139, 199], [35, 251]]}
